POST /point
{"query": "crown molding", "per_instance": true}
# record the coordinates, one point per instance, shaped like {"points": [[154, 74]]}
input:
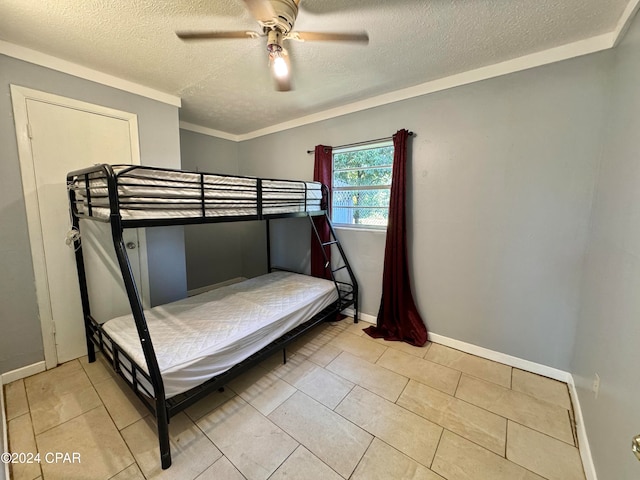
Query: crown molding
{"points": [[70, 68], [192, 127], [625, 21], [553, 55]]}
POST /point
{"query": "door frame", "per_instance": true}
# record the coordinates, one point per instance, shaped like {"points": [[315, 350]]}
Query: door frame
{"points": [[19, 97]]}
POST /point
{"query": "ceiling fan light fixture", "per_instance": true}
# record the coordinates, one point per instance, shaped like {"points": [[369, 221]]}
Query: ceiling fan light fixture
{"points": [[274, 41], [280, 67], [276, 19]]}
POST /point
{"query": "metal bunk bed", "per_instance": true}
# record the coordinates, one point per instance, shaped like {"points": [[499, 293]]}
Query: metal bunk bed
{"points": [[111, 194]]}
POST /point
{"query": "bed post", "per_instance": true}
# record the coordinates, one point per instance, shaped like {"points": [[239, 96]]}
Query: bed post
{"points": [[162, 416], [82, 276], [268, 246]]}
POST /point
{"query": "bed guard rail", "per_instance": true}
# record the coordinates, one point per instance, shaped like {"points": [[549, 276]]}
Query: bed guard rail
{"points": [[151, 196]]}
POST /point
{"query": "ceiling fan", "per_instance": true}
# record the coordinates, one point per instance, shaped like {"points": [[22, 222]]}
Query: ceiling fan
{"points": [[276, 19]]}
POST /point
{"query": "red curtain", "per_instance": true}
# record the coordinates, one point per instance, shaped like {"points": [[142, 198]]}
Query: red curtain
{"points": [[322, 173], [398, 317]]}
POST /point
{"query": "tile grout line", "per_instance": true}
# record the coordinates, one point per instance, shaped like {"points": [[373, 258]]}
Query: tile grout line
{"points": [[275, 469], [435, 452], [546, 402], [343, 418], [334, 411], [457, 386], [473, 441], [124, 441], [432, 421], [366, 389], [9, 448], [343, 399], [91, 409], [541, 433], [33, 430], [373, 437], [511, 379], [462, 371], [506, 439], [522, 466], [377, 342], [125, 468], [521, 424], [74, 417]]}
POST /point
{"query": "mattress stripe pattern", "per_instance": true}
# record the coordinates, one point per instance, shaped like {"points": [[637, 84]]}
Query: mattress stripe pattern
{"points": [[148, 193]]}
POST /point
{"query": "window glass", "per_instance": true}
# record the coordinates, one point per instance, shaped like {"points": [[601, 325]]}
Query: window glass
{"points": [[362, 184]]}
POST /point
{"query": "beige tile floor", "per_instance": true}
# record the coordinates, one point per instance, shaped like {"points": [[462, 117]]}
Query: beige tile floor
{"points": [[343, 406]]}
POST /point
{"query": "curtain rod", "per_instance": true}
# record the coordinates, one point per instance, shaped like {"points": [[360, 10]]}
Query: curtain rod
{"points": [[357, 144]]}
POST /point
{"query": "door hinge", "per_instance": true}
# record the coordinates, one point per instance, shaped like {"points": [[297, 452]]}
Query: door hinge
{"points": [[53, 327], [29, 131]]}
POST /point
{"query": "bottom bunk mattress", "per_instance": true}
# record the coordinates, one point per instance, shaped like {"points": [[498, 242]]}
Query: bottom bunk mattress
{"points": [[205, 335]]}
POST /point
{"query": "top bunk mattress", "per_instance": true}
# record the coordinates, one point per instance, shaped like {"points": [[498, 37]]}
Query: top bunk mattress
{"points": [[151, 193], [205, 335]]}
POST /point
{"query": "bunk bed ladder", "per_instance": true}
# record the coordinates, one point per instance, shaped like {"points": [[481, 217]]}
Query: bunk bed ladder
{"points": [[348, 294]]}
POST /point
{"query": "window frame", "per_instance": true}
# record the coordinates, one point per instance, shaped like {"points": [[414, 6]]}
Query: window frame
{"points": [[361, 146]]}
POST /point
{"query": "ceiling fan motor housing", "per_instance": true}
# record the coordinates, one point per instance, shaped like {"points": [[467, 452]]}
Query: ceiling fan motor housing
{"points": [[286, 13]]}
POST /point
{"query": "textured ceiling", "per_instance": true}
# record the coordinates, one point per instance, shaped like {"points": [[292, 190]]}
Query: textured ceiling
{"points": [[225, 84]]}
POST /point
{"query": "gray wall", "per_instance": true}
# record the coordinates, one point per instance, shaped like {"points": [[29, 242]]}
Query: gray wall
{"points": [[21, 339], [608, 335], [501, 180], [214, 251]]}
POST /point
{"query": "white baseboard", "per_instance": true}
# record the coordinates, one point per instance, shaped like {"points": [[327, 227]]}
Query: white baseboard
{"points": [[529, 366], [365, 317], [544, 370], [5, 378], [198, 291], [583, 440], [23, 372], [533, 367], [499, 357]]}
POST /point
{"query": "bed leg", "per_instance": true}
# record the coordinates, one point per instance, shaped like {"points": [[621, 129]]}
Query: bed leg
{"points": [[91, 351], [166, 460], [355, 313], [284, 356], [163, 435]]}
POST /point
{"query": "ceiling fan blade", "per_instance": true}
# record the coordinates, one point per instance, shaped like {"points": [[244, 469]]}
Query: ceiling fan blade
{"points": [[281, 73], [215, 35], [361, 37], [261, 10]]}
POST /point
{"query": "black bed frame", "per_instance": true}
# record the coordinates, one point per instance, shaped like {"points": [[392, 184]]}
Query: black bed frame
{"points": [[155, 400]]}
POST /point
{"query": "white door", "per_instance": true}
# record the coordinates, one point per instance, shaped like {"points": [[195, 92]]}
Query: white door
{"points": [[64, 138]]}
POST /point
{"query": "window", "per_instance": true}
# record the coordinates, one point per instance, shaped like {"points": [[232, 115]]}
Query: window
{"points": [[362, 185]]}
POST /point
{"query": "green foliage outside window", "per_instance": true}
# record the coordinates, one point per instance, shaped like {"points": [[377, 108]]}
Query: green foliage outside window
{"points": [[361, 185]]}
